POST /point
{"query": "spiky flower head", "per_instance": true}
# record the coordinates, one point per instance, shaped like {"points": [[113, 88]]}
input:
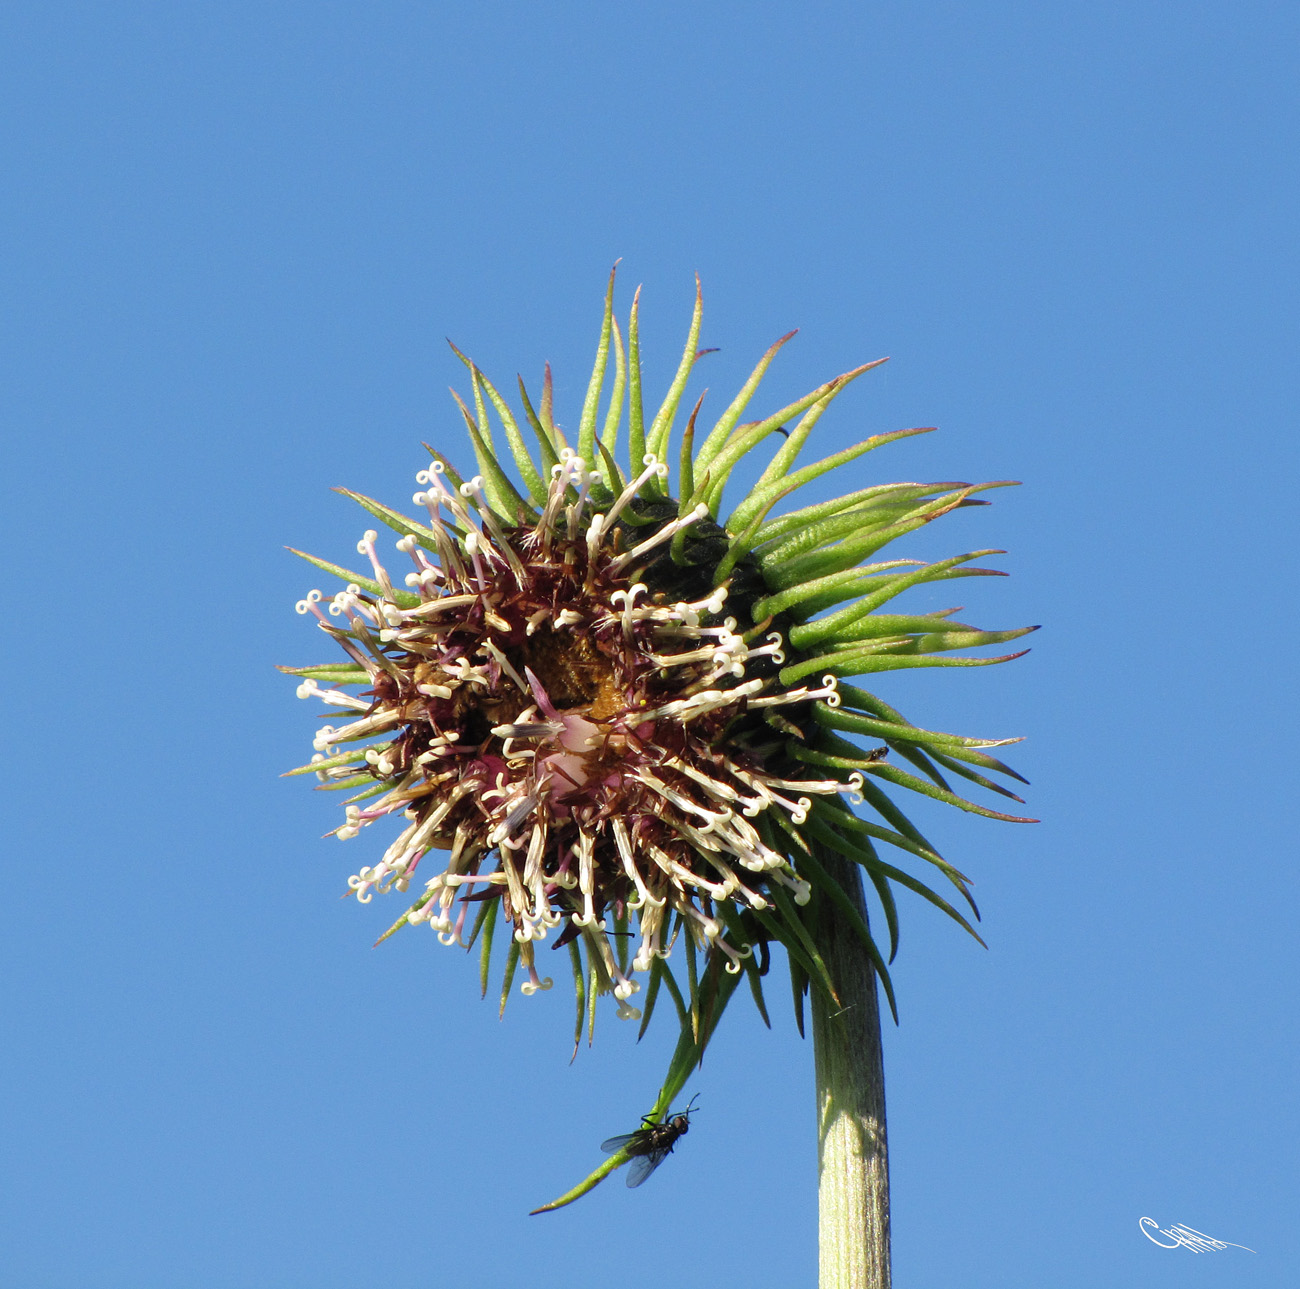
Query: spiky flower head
{"points": [[611, 714]]}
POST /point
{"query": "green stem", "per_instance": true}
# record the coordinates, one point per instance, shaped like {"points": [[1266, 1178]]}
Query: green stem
{"points": [[852, 1152]]}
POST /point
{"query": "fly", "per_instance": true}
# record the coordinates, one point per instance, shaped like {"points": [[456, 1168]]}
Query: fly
{"points": [[650, 1144]]}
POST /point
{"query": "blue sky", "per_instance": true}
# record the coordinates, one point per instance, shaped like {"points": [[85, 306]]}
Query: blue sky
{"points": [[234, 238]]}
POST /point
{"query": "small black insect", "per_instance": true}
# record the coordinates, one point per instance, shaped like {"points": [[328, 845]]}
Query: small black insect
{"points": [[650, 1144]]}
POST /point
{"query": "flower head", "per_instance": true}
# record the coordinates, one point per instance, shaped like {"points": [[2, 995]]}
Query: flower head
{"points": [[612, 719]]}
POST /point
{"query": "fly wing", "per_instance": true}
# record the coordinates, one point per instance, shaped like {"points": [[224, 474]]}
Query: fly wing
{"points": [[644, 1165], [615, 1144]]}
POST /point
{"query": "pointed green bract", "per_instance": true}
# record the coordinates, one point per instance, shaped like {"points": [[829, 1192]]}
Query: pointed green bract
{"points": [[501, 492], [872, 517], [399, 523], [334, 673], [518, 448], [661, 428], [614, 414], [591, 404], [635, 406], [545, 443], [727, 421], [794, 521], [784, 458], [686, 464], [850, 552], [748, 437], [404, 598]]}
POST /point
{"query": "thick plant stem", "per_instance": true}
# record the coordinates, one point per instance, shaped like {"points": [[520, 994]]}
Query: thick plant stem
{"points": [[853, 1157]]}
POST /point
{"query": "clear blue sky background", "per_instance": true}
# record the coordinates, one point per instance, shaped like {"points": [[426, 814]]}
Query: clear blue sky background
{"points": [[234, 236]]}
